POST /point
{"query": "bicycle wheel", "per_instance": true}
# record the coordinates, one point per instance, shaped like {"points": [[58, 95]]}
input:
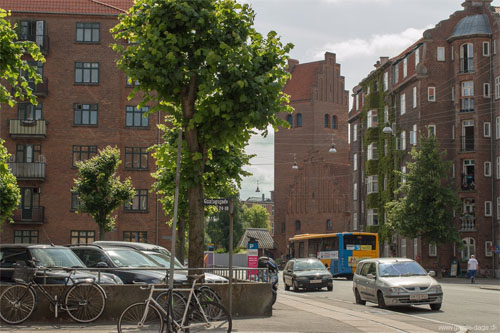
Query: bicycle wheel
{"points": [[131, 317], [17, 303], [207, 294], [178, 304], [85, 302], [214, 318]]}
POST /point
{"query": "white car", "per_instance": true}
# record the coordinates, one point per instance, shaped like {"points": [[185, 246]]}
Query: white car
{"points": [[395, 282]]}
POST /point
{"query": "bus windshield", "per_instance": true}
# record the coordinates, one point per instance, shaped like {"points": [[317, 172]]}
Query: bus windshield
{"points": [[359, 242]]}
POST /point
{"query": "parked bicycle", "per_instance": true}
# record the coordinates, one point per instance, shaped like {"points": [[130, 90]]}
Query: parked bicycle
{"points": [[203, 293], [198, 315], [83, 300]]}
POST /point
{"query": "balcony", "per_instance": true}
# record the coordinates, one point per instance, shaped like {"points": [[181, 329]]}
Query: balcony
{"points": [[29, 170], [41, 40], [29, 215], [467, 144], [40, 89], [468, 183], [468, 223], [24, 128]]}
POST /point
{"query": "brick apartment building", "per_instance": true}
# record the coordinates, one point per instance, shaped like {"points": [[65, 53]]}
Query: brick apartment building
{"points": [[82, 107], [447, 83], [267, 203], [311, 184]]}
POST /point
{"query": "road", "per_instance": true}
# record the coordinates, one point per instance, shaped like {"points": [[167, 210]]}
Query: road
{"points": [[464, 304]]}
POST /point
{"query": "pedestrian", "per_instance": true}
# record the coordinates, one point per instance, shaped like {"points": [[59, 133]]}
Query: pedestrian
{"points": [[472, 266]]}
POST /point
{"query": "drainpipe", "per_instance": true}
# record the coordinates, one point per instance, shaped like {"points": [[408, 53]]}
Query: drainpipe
{"points": [[492, 158]]}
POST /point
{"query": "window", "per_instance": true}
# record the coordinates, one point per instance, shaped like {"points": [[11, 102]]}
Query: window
{"points": [[431, 130], [85, 114], [87, 32], [82, 236], [494, 46], [417, 57], [497, 128], [334, 122], [486, 90], [75, 202], [386, 81], [297, 225], [367, 90], [283, 227], [372, 119], [355, 191], [135, 117], [440, 53], [432, 250], [467, 96], [298, 120], [28, 112], [386, 114], [26, 237], [355, 221], [32, 31], [488, 248], [28, 153], [135, 236], [81, 153], [413, 135], [469, 248], [289, 118], [139, 202], [403, 140], [372, 151], [498, 208], [372, 184], [405, 67], [487, 169], [129, 82], [396, 73], [453, 93], [355, 162], [327, 121], [498, 167], [403, 247], [466, 58], [431, 94], [486, 49], [487, 208], [329, 225], [403, 174], [355, 132], [357, 101], [136, 158], [372, 218], [414, 97], [497, 87], [452, 53], [415, 248], [87, 72]]}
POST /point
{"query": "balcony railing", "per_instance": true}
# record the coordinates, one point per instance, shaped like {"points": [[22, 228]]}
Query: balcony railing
{"points": [[467, 143], [468, 183], [468, 223], [40, 89], [28, 171], [27, 128], [41, 40], [29, 215]]}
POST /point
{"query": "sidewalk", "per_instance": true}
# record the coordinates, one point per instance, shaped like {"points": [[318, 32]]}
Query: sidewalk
{"points": [[482, 283]]}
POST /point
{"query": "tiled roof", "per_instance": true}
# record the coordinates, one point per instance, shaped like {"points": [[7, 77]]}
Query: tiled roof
{"points": [[262, 236], [403, 54], [304, 77], [99, 7], [472, 25]]}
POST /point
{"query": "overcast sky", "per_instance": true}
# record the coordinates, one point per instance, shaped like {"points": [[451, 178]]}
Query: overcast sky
{"points": [[357, 31]]}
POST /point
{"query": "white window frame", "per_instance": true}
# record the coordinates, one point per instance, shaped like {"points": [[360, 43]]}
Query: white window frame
{"points": [[355, 162], [467, 88], [440, 53], [453, 132], [413, 135], [431, 130], [415, 248], [405, 67], [403, 176], [355, 133], [497, 127], [432, 250], [497, 87], [402, 100], [487, 248], [372, 118], [469, 248], [453, 173], [372, 153], [453, 93], [355, 221], [494, 46], [386, 81], [487, 169], [386, 114], [486, 49], [486, 90], [498, 208], [357, 101], [403, 140], [488, 208], [403, 247], [396, 73], [414, 97], [371, 214], [417, 57], [452, 53], [431, 94], [487, 129], [498, 167], [372, 184], [355, 191]]}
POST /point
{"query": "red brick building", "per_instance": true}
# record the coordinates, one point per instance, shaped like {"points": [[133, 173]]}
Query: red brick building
{"points": [[311, 184], [447, 83], [82, 107]]}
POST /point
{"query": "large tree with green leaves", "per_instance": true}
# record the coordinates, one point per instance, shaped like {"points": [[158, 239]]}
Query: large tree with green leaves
{"points": [[426, 198], [100, 190], [205, 64], [256, 217], [10, 194]]}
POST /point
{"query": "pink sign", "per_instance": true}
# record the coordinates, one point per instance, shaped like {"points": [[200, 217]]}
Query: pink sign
{"points": [[252, 263]]}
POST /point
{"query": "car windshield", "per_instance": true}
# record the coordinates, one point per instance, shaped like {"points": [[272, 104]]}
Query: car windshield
{"points": [[308, 265], [404, 268], [166, 252], [131, 258], [163, 259], [56, 257]]}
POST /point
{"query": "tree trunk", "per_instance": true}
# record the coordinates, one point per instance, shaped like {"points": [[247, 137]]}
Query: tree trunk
{"points": [[101, 232], [181, 240]]}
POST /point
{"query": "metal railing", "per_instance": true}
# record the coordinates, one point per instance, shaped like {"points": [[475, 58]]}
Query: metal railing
{"points": [[468, 183], [41, 40], [27, 128], [28, 170], [29, 215]]}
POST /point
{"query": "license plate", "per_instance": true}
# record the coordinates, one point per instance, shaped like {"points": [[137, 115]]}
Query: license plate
{"points": [[418, 297], [316, 281]]}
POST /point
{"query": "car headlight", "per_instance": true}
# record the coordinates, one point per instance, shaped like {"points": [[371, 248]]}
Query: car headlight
{"points": [[396, 290], [436, 289]]}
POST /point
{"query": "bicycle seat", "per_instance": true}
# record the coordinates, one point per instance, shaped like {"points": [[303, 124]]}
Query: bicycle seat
{"points": [[196, 277]]}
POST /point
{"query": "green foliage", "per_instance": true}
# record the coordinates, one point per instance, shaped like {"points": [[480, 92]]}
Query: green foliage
{"points": [[12, 66], [10, 195], [221, 250], [219, 79], [217, 228], [256, 217], [426, 200], [99, 190]]}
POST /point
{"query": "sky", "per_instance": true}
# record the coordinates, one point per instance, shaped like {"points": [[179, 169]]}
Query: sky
{"points": [[359, 32]]}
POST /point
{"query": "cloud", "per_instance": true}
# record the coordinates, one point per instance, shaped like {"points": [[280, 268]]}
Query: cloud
{"points": [[375, 46], [357, 1]]}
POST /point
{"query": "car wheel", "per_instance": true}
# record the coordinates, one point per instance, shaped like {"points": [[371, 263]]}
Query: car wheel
{"points": [[435, 307], [380, 299], [358, 298], [287, 287], [329, 287], [295, 286]]}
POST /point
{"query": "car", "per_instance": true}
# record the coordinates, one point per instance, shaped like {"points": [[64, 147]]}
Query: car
{"points": [[116, 257], [162, 256], [395, 282], [51, 259], [306, 273]]}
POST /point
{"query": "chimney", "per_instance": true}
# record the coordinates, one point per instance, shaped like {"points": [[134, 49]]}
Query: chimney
{"points": [[292, 63], [383, 60]]}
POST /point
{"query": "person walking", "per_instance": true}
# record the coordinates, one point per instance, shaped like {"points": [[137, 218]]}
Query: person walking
{"points": [[472, 266]]}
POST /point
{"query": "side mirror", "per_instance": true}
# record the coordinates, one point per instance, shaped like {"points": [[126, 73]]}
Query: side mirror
{"points": [[431, 273], [371, 276], [101, 264]]}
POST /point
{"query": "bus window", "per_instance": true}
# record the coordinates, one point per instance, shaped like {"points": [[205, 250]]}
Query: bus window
{"points": [[359, 242], [301, 249], [330, 244], [315, 245]]}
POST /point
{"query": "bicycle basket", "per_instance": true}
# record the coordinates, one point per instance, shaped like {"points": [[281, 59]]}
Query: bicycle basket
{"points": [[24, 273]]}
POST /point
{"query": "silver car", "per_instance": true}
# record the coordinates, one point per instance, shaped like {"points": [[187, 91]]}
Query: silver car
{"points": [[395, 282]]}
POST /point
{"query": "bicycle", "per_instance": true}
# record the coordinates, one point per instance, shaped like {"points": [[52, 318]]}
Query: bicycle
{"points": [[84, 301], [198, 315], [204, 294]]}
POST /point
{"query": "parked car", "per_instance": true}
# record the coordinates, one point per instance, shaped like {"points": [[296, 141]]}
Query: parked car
{"points": [[162, 256], [51, 259], [116, 257], [395, 281], [306, 273]]}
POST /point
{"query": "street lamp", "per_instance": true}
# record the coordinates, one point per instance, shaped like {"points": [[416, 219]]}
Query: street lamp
{"points": [[332, 147], [295, 166], [257, 190], [387, 129]]}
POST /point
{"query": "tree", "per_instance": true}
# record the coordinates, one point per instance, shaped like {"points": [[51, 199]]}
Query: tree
{"points": [[426, 198], [10, 195], [256, 217], [13, 68], [204, 63], [99, 190], [218, 226]]}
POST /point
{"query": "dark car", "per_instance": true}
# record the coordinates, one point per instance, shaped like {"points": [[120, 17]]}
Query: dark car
{"points": [[51, 259], [306, 273], [121, 257]]}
